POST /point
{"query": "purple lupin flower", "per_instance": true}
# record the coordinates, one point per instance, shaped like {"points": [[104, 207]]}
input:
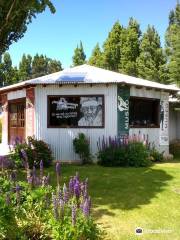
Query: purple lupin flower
{"points": [[86, 184], [86, 208], [30, 180], [8, 200], [61, 204], [55, 206], [73, 215], [77, 190], [17, 140], [24, 156], [65, 194], [17, 189], [13, 176], [2, 162], [71, 186], [58, 172], [41, 169], [45, 180], [34, 171], [47, 200], [60, 195]]}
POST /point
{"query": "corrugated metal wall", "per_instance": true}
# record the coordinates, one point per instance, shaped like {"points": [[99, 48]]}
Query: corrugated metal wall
{"points": [[153, 133], [60, 139]]}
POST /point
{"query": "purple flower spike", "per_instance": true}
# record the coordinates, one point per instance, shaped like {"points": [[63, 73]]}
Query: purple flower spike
{"points": [[77, 190], [18, 188], [61, 203], [58, 172], [71, 185], [41, 169], [55, 206], [86, 208], [8, 200], [13, 176], [60, 195], [41, 164], [58, 168], [65, 193], [73, 215], [34, 172], [24, 154]]}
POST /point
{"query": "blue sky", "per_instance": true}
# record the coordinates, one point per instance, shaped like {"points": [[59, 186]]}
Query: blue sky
{"points": [[89, 21]]}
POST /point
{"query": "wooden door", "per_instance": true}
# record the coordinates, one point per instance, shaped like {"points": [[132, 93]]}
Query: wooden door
{"points": [[16, 121]]}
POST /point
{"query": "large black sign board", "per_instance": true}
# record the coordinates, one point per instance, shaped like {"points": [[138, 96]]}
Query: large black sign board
{"points": [[75, 111]]}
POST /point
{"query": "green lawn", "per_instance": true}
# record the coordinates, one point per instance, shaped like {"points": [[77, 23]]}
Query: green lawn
{"points": [[126, 198]]}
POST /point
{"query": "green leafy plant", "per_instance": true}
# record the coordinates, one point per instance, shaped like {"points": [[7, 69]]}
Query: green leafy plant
{"points": [[81, 147], [155, 155], [36, 210], [174, 149], [127, 152], [138, 155], [36, 150]]}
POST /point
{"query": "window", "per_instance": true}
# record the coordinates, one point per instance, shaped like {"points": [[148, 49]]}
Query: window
{"points": [[144, 112], [76, 111]]}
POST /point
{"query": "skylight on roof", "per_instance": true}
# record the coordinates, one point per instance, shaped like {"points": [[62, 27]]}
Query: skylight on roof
{"points": [[72, 77]]}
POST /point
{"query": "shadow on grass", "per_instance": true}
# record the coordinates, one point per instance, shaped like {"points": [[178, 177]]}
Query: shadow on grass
{"points": [[126, 188]]}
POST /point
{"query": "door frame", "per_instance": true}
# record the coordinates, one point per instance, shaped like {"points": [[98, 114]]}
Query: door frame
{"points": [[14, 101]]}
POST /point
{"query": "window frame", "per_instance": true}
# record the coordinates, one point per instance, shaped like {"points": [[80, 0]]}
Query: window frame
{"points": [[157, 112], [79, 95]]}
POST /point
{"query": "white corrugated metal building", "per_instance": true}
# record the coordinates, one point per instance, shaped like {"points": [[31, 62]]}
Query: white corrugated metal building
{"points": [[97, 102]]}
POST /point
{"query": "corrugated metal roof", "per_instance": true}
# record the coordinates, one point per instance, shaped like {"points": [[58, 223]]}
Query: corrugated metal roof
{"points": [[85, 74]]}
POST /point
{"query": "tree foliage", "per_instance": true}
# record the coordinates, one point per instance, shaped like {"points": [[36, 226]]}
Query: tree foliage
{"points": [[173, 45], [151, 58], [130, 41], [37, 66], [15, 15], [96, 57], [25, 67], [112, 48], [29, 67], [8, 73], [79, 56]]}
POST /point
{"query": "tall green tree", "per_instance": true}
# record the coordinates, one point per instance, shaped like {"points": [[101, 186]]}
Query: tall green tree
{"points": [[39, 66], [54, 66], [8, 73], [151, 61], [173, 45], [112, 48], [79, 56], [15, 15], [130, 43], [96, 58], [25, 67]]}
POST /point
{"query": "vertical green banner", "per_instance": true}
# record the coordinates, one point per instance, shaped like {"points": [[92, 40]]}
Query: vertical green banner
{"points": [[123, 94]]}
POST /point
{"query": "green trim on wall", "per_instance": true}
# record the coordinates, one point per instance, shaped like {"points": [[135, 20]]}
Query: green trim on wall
{"points": [[123, 94]]}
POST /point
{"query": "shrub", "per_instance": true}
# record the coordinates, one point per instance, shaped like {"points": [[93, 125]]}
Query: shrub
{"points": [[36, 210], [36, 150], [155, 155], [174, 149], [122, 152], [81, 147], [138, 154]]}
